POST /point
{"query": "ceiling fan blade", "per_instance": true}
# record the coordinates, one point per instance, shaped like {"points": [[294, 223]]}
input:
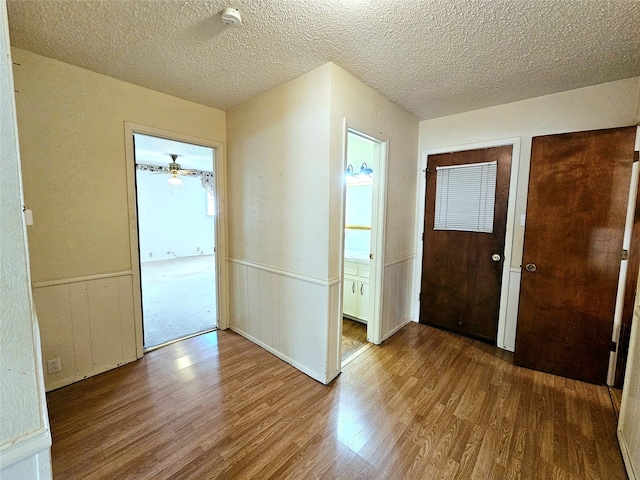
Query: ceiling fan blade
{"points": [[189, 172]]}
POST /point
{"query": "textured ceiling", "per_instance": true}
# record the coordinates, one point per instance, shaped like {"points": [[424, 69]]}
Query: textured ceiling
{"points": [[431, 57]]}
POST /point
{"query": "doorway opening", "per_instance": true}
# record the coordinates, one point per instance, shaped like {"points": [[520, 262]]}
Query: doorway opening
{"points": [[175, 201], [362, 243]]}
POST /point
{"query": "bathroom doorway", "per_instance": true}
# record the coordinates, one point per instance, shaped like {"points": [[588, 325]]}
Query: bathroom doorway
{"points": [[362, 243], [175, 200]]}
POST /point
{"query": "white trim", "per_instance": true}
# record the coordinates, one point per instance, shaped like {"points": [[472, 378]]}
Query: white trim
{"points": [[515, 142], [281, 356], [378, 223], [626, 455], [24, 447], [221, 241], [396, 329], [406, 258], [88, 278], [286, 273], [624, 266]]}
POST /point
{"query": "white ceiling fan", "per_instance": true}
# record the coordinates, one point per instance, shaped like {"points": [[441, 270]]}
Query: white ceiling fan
{"points": [[175, 169]]}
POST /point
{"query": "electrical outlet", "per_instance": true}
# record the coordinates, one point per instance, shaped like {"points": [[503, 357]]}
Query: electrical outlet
{"points": [[197, 249], [54, 365], [150, 254]]}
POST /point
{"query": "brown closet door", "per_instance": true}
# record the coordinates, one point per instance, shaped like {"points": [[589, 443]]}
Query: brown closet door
{"points": [[460, 289], [576, 209]]}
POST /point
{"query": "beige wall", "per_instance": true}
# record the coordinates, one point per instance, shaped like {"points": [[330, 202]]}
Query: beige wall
{"points": [[71, 125], [278, 176], [608, 105]]}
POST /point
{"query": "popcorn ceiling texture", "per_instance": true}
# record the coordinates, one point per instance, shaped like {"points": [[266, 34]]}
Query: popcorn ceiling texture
{"points": [[432, 58]]}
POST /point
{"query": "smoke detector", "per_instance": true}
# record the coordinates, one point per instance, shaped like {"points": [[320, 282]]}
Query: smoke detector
{"points": [[231, 17]]}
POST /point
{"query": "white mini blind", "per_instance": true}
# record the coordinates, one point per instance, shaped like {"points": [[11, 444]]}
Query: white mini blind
{"points": [[465, 197]]}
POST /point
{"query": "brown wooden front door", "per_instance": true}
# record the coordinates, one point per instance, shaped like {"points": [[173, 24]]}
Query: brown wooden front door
{"points": [[460, 288], [576, 209]]}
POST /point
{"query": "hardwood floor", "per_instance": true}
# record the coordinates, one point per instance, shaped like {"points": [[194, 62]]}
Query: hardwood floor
{"points": [[425, 404], [354, 337]]}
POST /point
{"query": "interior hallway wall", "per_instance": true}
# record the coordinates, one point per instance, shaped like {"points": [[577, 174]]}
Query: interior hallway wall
{"points": [[607, 105], [278, 183], [72, 138], [370, 111], [25, 440]]}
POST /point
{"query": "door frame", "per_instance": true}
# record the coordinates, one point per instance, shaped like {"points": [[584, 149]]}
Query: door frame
{"points": [[378, 229], [507, 316], [219, 169]]}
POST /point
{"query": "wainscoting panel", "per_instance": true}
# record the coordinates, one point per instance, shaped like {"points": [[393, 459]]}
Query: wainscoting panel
{"points": [[396, 306], [88, 323], [285, 313]]}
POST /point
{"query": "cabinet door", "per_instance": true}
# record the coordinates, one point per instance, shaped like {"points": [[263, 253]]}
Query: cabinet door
{"points": [[363, 300], [350, 297]]}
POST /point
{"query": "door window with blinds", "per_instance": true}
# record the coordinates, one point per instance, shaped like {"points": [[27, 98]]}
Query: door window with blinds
{"points": [[465, 197]]}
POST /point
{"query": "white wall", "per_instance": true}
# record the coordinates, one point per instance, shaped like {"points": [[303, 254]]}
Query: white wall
{"points": [[72, 136], [278, 183], [286, 199], [602, 106], [24, 430], [172, 218]]}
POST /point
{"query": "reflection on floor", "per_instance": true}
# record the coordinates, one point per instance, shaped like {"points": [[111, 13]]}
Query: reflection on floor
{"points": [[178, 298], [354, 339]]}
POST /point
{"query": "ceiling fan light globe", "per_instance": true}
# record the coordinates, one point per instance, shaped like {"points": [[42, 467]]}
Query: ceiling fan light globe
{"points": [[175, 180]]}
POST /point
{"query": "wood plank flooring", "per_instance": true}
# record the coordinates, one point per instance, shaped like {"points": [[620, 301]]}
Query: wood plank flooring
{"points": [[354, 337], [425, 404]]}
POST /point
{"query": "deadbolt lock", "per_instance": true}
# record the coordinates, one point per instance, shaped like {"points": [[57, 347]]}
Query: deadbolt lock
{"points": [[495, 257], [531, 267]]}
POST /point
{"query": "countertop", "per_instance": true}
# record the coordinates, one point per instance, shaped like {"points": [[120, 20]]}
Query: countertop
{"points": [[356, 256]]}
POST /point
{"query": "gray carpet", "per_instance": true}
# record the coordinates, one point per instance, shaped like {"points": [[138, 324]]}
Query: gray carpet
{"points": [[178, 298]]}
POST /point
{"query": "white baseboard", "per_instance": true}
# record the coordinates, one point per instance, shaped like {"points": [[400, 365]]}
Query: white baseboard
{"points": [[626, 456], [396, 329], [53, 385], [307, 371]]}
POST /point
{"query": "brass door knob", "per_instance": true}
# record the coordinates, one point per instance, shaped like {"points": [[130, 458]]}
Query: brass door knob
{"points": [[495, 257], [531, 267]]}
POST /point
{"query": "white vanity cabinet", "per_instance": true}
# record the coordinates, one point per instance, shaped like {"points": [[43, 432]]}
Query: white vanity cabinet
{"points": [[355, 301]]}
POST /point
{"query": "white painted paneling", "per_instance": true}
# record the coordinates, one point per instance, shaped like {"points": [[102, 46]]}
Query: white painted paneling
{"points": [[82, 346], [334, 348], [59, 316], [88, 324], [629, 422], [396, 307], [105, 332], [284, 313], [127, 322], [36, 467]]}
